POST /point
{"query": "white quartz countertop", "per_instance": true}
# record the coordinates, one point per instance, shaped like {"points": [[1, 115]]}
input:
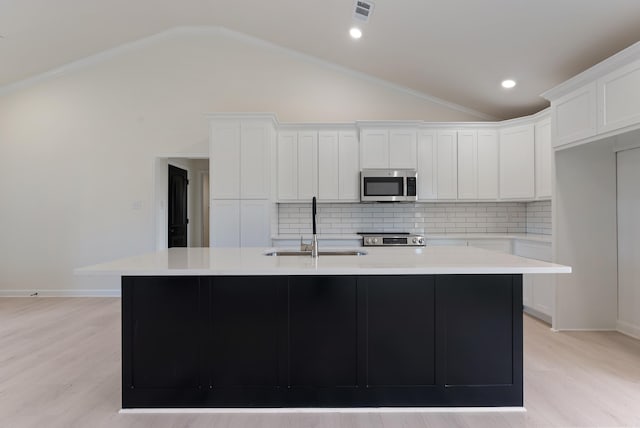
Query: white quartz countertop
{"points": [[378, 261]]}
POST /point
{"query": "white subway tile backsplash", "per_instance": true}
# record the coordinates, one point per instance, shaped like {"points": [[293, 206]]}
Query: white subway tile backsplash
{"points": [[539, 217], [467, 217]]}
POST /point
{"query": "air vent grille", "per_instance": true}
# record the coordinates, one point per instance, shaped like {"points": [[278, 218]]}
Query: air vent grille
{"points": [[363, 10]]}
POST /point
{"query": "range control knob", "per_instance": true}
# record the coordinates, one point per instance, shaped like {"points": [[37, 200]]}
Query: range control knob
{"points": [[420, 241], [375, 240], [415, 240]]}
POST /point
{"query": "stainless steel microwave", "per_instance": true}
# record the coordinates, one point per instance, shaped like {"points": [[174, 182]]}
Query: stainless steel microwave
{"points": [[388, 185]]}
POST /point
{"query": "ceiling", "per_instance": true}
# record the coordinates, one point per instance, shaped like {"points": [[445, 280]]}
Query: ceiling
{"points": [[455, 50]]}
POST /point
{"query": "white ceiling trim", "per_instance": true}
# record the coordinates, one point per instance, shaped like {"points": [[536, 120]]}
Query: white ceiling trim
{"points": [[172, 32]]}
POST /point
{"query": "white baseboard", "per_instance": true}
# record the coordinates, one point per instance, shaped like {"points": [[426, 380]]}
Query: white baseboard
{"points": [[628, 329], [537, 314], [111, 292]]}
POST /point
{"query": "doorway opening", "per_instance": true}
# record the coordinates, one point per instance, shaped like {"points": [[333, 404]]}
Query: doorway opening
{"points": [[181, 207]]}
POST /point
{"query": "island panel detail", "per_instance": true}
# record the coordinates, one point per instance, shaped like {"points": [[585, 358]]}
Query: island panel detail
{"points": [[322, 341]]}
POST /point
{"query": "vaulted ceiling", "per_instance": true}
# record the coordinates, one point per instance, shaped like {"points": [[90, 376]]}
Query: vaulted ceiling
{"points": [[456, 50]]}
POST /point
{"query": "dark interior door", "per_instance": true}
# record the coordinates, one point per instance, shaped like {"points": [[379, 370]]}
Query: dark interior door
{"points": [[177, 207]]}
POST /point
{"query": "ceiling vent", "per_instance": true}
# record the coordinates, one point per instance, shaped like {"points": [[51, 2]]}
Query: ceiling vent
{"points": [[363, 10]]}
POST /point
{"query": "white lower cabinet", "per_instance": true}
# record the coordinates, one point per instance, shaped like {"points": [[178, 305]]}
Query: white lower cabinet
{"points": [[240, 223], [538, 291]]}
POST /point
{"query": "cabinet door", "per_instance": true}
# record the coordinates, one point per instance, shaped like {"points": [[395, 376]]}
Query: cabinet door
{"points": [[575, 115], [374, 148], [427, 156], [543, 158], [247, 327], [488, 164], [402, 148], [254, 223], [481, 307], [619, 96], [254, 161], [467, 165], [287, 166], [517, 162], [447, 165], [224, 223], [400, 331], [307, 165], [224, 165], [349, 166], [328, 166], [323, 331], [162, 349]]}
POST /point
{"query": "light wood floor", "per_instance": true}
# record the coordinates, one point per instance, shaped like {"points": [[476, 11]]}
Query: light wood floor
{"points": [[60, 367]]}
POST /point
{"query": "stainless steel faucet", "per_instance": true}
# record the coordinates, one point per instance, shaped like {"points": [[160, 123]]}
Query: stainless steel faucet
{"points": [[314, 241], [313, 246]]}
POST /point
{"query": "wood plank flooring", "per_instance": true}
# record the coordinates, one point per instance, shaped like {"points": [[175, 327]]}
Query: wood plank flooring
{"points": [[60, 367]]}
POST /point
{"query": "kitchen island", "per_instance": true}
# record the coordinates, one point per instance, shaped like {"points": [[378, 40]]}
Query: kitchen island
{"points": [[434, 326]]}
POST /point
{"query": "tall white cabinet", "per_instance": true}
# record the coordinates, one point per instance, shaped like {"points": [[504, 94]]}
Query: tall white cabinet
{"points": [[240, 158], [517, 153]]}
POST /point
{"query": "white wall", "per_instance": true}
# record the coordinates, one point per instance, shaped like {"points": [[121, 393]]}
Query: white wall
{"points": [[78, 149], [629, 241], [585, 237]]}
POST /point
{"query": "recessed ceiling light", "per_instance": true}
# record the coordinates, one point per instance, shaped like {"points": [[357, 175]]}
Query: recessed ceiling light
{"points": [[508, 84], [355, 33]]}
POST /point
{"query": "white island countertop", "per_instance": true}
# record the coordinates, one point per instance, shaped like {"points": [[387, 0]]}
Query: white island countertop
{"points": [[378, 261]]}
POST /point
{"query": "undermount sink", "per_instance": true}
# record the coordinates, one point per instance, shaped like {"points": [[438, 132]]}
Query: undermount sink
{"points": [[320, 253]]}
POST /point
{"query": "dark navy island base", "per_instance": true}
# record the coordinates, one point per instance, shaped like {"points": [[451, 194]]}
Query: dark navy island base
{"points": [[322, 341]]}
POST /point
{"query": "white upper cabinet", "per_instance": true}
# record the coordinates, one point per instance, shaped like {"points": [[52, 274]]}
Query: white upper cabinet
{"points": [[478, 164], [374, 148], [574, 115], [543, 158], [224, 162], [488, 164], [517, 162], [287, 158], [602, 101], [240, 159], [447, 164], [402, 148], [467, 165], [338, 166], [388, 148], [328, 166], [297, 165], [349, 166], [254, 161], [427, 165], [307, 164], [619, 98]]}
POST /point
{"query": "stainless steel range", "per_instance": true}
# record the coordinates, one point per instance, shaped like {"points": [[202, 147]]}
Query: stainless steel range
{"points": [[394, 239]]}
